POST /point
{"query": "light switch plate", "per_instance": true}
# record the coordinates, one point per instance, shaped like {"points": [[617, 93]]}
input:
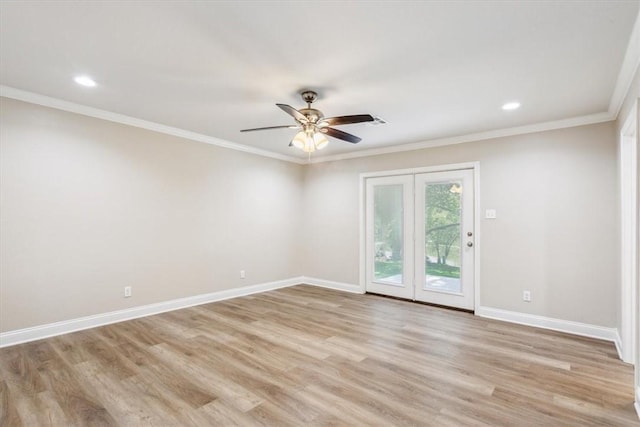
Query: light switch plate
{"points": [[490, 214]]}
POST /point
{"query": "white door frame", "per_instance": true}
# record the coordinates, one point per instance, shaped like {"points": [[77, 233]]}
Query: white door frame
{"points": [[439, 168], [629, 238]]}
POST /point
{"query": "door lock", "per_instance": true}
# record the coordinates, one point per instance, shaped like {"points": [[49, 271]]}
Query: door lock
{"points": [[469, 244]]}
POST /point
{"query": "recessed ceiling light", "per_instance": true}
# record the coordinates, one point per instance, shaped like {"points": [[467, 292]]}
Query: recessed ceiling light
{"points": [[511, 106], [85, 81]]}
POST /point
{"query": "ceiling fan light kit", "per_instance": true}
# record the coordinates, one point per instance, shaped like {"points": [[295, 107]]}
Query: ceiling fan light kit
{"points": [[315, 126], [309, 141]]}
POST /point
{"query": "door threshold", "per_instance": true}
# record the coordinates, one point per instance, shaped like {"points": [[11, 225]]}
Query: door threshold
{"points": [[446, 307]]}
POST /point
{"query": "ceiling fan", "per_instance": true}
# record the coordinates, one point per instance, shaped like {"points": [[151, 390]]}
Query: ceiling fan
{"points": [[314, 125]]}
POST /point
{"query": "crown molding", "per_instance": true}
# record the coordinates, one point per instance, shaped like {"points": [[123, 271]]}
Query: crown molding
{"points": [[630, 65], [498, 133], [47, 101], [34, 98]]}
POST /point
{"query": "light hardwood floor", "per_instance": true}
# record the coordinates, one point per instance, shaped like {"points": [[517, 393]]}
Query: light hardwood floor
{"points": [[311, 356]]}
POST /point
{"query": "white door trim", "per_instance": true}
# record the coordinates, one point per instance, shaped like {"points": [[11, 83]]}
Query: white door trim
{"points": [[475, 166], [629, 237], [425, 169]]}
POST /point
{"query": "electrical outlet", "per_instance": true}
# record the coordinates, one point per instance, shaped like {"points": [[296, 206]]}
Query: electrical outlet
{"points": [[127, 291], [242, 275], [526, 296]]}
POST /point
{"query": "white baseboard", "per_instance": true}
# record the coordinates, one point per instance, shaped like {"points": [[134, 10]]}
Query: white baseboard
{"points": [[347, 287], [570, 327], [636, 405], [66, 326]]}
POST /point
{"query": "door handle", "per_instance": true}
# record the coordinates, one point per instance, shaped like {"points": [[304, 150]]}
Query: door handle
{"points": [[469, 244]]}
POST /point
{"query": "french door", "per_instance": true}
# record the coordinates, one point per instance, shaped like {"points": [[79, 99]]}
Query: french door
{"points": [[390, 236], [420, 237]]}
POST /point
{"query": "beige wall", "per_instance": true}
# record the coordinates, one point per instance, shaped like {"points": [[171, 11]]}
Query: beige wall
{"points": [[90, 206], [556, 231]]}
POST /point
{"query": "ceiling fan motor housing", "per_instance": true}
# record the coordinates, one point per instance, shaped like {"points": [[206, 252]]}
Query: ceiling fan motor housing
{"points": [[313, 115]]}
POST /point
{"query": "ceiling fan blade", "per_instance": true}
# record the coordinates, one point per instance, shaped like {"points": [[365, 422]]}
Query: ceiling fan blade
{"points": [[345, 120], [293, 112], [271, 127], [341, 135]]}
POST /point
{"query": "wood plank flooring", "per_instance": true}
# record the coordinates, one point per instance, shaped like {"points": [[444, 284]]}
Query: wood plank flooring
{"points": [[315, 357]]}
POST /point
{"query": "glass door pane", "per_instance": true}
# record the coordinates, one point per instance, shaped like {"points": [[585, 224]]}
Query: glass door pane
{"points": [[442, 236], [388, 226]]}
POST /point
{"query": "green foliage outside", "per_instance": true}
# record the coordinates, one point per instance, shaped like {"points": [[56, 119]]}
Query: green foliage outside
{"points": [[388, 225], [442, 229], [387, 268], [391, 268], [442, 270], [442, 219]]}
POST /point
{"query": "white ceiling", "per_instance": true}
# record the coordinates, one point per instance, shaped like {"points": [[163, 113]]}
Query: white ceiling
{"points": [[432, 70]]}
